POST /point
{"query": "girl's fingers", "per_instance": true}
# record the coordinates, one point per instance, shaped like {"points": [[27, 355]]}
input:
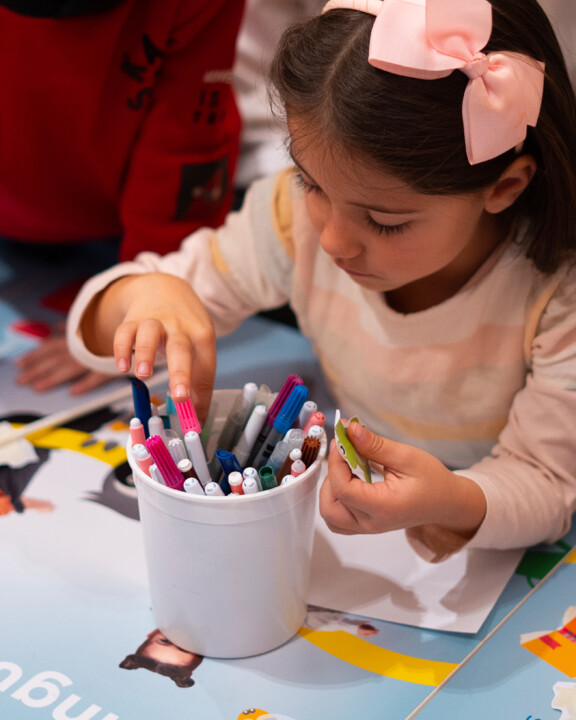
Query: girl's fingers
{"points": [[180, 327], [149, 337], [124, 339], [180, 358], [190, 354], [385, 454], [337, 516], [138, 342], [356, 494]]}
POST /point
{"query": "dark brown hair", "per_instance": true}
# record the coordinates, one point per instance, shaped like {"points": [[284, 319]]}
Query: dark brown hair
{"points": [[180, 674], [413, 128]]}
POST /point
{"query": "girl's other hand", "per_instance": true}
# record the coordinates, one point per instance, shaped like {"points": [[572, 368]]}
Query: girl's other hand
{"points": [[417, 490]]}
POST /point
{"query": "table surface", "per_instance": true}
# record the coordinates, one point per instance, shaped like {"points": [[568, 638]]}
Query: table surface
{"points": [[75, 601]]}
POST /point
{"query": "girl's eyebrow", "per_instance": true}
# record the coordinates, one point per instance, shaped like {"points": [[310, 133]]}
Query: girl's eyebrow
{"points": [[383, 210]]}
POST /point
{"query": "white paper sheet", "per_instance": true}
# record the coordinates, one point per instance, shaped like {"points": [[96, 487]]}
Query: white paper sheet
{"points": [[381, 577]]}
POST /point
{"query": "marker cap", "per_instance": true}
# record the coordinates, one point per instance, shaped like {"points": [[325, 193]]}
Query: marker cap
{"points": [[250, 486], [212, 489], [291, 408]]}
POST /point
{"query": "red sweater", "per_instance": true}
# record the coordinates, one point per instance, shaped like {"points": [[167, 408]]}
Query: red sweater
{"points": [[118, 123]]}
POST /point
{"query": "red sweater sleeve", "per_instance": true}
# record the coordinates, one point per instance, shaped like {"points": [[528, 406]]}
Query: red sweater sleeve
{"points": [[180, 175]]}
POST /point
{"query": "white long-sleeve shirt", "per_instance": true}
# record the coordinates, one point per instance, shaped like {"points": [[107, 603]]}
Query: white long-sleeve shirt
{"points": [[485, 381]]}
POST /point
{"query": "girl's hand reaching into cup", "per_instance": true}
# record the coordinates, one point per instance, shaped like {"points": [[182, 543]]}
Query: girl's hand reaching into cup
{"points": [[417, 490], [139, 316]]}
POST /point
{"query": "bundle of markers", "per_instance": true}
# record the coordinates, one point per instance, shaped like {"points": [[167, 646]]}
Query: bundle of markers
{"points": [[267, 440]]}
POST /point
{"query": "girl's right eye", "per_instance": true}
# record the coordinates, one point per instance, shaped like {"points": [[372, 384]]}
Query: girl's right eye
{"points": [[306, 186]]}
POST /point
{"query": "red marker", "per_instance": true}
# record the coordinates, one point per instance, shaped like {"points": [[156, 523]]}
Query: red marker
{"points": [[235, 481]]}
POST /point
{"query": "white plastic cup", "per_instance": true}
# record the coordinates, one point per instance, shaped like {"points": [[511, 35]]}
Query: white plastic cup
{"points": [[229, 576]]}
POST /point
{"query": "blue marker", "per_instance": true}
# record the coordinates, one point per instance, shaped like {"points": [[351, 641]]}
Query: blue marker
{"points": [[173, 421], [273, 412], [229, 463], [286, 418], [142, 406]]}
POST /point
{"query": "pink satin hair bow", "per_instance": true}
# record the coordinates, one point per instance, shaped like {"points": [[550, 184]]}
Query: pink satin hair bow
{"points": [[428, 39]]}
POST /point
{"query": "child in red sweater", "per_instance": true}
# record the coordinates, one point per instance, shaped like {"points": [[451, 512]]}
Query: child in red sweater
{"points": [[118, 121]]}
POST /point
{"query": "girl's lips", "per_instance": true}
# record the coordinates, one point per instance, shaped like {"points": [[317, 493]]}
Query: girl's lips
{"points": [[353, 273]]}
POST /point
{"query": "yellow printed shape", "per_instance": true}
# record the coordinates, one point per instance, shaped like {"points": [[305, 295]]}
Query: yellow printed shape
{"points": [[381, 661], [571, 557], [61, 438]]}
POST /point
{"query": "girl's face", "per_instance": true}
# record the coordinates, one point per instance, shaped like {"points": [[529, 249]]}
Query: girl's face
{"points": [[417, 249]]}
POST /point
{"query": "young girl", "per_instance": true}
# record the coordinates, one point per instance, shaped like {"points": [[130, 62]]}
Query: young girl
{"points": [[426, 244]]}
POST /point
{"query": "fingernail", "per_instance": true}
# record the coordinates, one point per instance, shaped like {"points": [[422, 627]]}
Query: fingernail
{"points": [[123, 365], [143, 369], [357, 431], [180, 391]]}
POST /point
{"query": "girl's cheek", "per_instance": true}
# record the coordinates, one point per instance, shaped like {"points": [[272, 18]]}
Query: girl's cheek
{"points": [[315, 213]]}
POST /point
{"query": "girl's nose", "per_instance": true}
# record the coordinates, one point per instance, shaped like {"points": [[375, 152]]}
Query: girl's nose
{"points": [[339, 241]]}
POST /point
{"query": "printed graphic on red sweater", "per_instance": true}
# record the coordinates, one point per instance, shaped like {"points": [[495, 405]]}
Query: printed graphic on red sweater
{"points": [[202, 186]]}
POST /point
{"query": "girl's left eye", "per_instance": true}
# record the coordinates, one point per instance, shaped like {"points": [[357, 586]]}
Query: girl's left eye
{"points": [[306, 186], [386, 229]]}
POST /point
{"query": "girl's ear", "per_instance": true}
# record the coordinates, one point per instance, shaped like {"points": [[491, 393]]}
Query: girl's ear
{"points": [[510, 185]]}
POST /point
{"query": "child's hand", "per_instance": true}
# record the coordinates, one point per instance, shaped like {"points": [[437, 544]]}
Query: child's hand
{"points": [[50, 365], [141, 315], [418, 490]]}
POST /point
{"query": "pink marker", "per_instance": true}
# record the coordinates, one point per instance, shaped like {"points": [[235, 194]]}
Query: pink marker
{"points": [[142, 457], [165, 463], [317, 418], [137, 433], [187, 416]]}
